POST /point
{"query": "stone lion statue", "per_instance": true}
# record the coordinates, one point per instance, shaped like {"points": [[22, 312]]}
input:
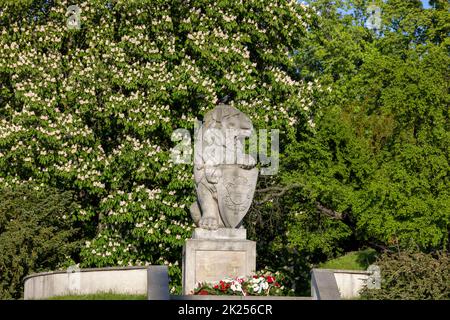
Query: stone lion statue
{"points": [[225, 176]]}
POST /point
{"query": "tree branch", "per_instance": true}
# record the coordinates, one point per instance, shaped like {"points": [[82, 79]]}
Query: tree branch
{"points": [[329, 212], [281, 190], [270, 195]]}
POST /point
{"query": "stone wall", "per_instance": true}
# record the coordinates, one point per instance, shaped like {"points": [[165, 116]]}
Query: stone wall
{"points": [[333, 284], [350, 282], [127, 280]]}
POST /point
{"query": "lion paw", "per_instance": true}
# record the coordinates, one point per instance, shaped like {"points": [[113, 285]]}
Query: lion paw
{"points": [[209, 223]]}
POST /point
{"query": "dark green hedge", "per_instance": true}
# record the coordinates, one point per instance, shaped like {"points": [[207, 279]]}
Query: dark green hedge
{"points": [[36, 234], [412, 276]]}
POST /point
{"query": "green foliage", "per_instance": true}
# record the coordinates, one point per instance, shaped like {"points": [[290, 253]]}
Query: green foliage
{"points": [[36, 234], [374, 172], [412, 275], [380, 155]]}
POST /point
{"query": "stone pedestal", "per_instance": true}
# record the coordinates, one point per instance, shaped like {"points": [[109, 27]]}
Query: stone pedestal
{"points": [[214, 255]]}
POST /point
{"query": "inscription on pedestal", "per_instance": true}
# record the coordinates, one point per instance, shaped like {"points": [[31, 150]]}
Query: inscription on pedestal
{"points": [[212, 265]]}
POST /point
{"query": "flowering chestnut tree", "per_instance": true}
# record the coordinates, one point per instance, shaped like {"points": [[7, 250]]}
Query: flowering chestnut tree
{"points": [[91, 109]]}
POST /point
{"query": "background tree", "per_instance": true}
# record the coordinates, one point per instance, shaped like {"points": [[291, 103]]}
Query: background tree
{"points": [[374, 171], [37, 234], [92, 110]]}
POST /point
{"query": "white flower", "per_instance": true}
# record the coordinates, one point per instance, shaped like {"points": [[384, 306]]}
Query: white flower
{"points": [[256, 288], [264, 285], [236, 286]]}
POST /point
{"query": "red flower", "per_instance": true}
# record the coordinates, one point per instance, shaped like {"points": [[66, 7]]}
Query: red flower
{"points": [[270, 279], [216, 286], [203, 293], [277, 284]]}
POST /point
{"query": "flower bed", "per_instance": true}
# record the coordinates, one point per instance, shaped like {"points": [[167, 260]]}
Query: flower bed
{"points": [[260, 284]]}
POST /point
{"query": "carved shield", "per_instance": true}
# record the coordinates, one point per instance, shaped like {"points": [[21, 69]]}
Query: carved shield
{"points": [[235, 192]]}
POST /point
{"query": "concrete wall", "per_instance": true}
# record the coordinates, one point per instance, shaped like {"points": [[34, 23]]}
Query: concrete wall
{"points": [[331, 284], [323, 285], [350, 282], [128, 280], [326, 284]]}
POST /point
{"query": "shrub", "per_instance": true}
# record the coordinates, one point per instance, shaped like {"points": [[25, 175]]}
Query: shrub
{"points": [[412, 276], [36, 234]]}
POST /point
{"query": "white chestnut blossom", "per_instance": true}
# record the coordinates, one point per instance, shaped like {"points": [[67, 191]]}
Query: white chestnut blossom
{"points": [[93, 110]]}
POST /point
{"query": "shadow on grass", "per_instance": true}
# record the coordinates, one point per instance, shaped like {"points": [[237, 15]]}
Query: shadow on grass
{"points": [[355, 260], [366, 257]]}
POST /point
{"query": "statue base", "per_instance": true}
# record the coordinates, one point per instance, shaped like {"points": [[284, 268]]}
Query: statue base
{"points": [[221, 233], [209, 259]]}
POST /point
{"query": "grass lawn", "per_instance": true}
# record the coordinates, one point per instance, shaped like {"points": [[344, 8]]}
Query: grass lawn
{"points": [[355, 260], [101, 296]]}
